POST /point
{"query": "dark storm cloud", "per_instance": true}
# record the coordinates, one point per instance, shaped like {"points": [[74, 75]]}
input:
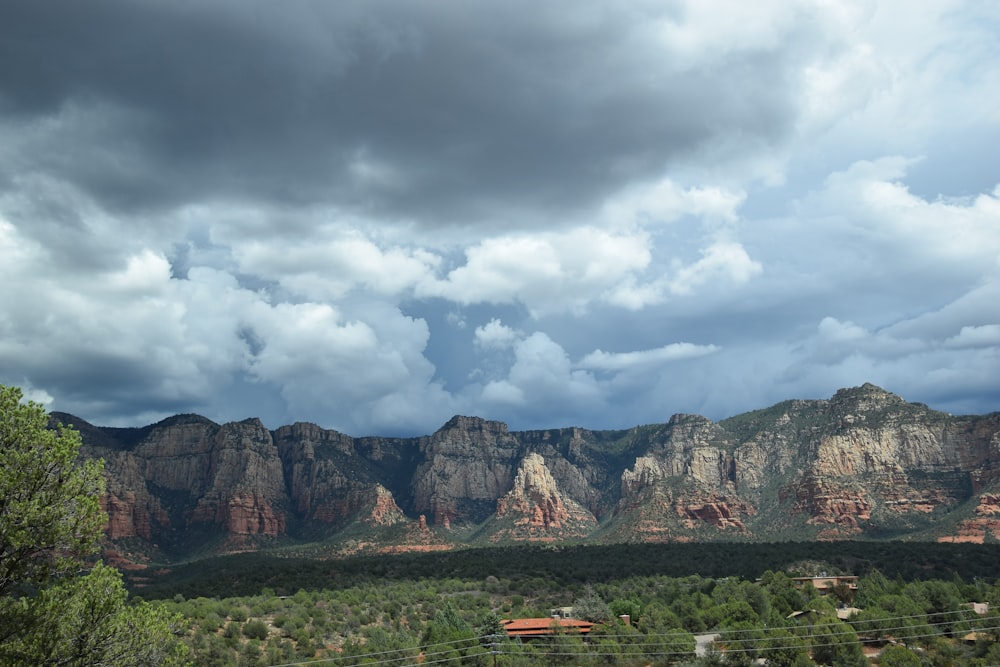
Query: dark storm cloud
{"points": [[102, 384], [375, 215], [442, 112]]}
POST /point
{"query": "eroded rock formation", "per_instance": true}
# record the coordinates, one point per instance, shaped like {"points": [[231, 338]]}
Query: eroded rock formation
{"points": [[537, 508], [863, 461]]}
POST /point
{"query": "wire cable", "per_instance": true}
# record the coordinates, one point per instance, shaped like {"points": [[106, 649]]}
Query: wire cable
{"points": [[641, 641]]}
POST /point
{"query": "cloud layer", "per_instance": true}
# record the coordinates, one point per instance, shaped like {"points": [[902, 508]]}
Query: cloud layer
{"points": [[374, 215]]}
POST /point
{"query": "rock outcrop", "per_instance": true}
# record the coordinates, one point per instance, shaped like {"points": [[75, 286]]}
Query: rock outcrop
{"points": [[985, 524], [536, 508], [187, 472], [863, 463], [384, 510], [465, 467]]}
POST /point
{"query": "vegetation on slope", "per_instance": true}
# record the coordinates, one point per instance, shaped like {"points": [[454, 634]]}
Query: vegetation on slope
{"points": [[408, 619]]}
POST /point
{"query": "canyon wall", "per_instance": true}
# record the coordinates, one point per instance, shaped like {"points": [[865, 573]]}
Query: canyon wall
{"points": [[863, 463]]}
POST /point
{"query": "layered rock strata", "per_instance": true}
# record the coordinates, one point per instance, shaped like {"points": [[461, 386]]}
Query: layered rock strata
{"points": [[538, 509], [863, 463]]}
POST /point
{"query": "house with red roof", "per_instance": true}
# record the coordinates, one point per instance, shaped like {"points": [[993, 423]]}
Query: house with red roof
{"points": [[532, 628]]}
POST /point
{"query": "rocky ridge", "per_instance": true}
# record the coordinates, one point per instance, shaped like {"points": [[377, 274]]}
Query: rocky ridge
{"points": [[539, 511], [864, 463]]}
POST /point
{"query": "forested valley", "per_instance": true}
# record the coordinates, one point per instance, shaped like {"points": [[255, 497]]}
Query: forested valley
{"points": [[914, 604]]}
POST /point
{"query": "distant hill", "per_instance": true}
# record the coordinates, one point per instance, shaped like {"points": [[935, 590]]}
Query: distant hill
{"points": [[864, 464]]}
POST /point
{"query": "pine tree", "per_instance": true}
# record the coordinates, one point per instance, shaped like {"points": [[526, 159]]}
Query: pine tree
{"points": [[53, 609]]}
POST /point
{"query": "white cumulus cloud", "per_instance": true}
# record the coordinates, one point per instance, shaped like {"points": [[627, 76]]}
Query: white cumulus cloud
{"points": [[619, 361]]}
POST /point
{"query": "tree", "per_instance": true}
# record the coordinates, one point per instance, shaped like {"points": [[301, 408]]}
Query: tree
{"points": [[52, 610], [626, 607], [836, 644], [783, 649], [88, 621], [491, 630], [742, 641], [898, 656], [451, 637], [671, 646], [784, 596], [591, 607], [871, 588], [49, 511], [255, 629]]}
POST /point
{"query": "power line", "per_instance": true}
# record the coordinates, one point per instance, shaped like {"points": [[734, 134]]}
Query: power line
{"points": [[455, 644], [735, 644]]}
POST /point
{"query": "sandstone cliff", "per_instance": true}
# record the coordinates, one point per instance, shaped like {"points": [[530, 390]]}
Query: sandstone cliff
{"points": [[863, 463], [536, 509]]}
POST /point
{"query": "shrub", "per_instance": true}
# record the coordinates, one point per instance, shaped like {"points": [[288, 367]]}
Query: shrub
{"points": [[255, 629]]}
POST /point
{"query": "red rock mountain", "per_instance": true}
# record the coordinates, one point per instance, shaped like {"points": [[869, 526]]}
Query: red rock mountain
{"points": [[864, 463], [536, 508]]}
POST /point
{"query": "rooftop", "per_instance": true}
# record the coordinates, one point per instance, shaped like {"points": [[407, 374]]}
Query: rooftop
{"points": [[538, 627]]}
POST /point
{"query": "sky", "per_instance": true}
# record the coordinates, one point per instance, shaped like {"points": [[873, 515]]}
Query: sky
{"points": [[373, 215]]}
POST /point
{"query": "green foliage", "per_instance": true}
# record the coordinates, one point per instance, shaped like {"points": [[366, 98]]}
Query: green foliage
{"points": [[87, 621], [452, 618], [657, 617], [50, 518], [742, 640], [591, 607], [626, 606], [732, 613], [565, 566], [898, 656], [784, 596], [239, 613], [255, 629], [452, 637], [674, 645], [49, 511], [491, 629], [563, 648], [784, 649], [872, 587], [379, 645], [836, 644], [893, 616]]}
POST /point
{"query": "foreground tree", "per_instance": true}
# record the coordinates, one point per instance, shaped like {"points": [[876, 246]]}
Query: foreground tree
{"points": [[835, 643], [87, 620], [49, 511], [52, 610], [898, 656], [784, 649]]}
